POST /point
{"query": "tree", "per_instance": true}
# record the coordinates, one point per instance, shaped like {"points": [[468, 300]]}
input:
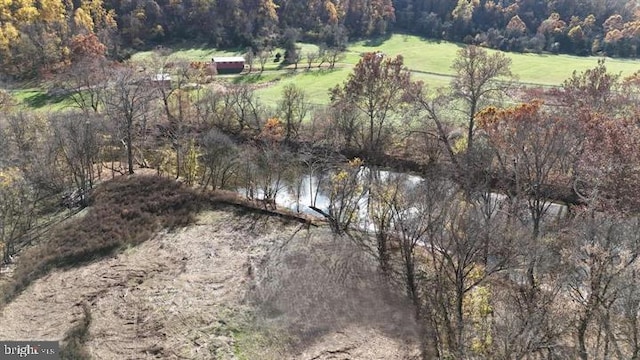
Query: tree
{"points": [[17, 211], [347, 121], [533, 149], [454, 267], [311, 57], [33, 152], [291, 49], [332, 56], [250, 58], [478, 76], [127, 104], [346, 193], [77, 137], [263, 57], [177, 105], [377, 88], [600, 254], [592, 91], [219, 158], [293, 108], [86, 80]]}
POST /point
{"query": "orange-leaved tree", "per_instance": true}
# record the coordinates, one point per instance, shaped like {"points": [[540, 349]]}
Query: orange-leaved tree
{"points": [[533, 150]]}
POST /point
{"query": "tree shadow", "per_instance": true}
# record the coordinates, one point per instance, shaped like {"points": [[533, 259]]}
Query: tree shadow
{"points": [[248, 79], [41, 99], [377, 41]]}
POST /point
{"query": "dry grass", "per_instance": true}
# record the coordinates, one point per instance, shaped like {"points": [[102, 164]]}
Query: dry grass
{"points": [[314, 285], [125, 212], [236, 283]]}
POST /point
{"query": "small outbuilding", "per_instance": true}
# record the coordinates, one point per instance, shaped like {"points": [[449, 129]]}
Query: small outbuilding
{"points": [[229, 65], [162, 80]]}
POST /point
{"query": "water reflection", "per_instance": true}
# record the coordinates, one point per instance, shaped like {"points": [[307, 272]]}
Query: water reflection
{"points": [[308, 191]]}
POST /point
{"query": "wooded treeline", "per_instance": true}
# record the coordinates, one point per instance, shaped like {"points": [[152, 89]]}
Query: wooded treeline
{"points": [[38, 37]]}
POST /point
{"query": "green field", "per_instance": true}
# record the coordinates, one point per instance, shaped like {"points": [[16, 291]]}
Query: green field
{"points": [[38, 99], [429, 60]]}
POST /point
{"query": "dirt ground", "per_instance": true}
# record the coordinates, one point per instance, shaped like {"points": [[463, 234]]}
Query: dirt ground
{"points": [[232, 286]]}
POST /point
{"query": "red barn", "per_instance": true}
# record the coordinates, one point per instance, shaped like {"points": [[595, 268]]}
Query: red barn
{"points": [[229, 65]]}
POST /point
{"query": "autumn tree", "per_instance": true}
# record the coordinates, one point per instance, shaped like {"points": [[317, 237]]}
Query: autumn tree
{"points": [[592, 91], [534, 149], [87, 76], [376, 87], [605, 110], [478, 77]]}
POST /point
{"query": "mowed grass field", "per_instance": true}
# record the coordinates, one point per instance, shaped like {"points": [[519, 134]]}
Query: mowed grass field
{"points": [[429, 60]]}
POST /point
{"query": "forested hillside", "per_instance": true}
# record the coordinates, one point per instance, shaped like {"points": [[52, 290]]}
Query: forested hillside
{"points": [[37, 37]]}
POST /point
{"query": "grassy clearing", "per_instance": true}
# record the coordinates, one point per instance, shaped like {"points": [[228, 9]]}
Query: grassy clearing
{"points": [[435, 57], [36, 98], [315, 82], [430, 62], [198, 53]]}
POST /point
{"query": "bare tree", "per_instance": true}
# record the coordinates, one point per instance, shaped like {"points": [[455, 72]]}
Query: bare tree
{"points": [[293, 109], [34, 152], [263, 57], [220, 160], [346, 195], [234, 110], [600, 256], [322, 55], [127, 103], [17, 211], [77, 138], [348, 122], [250, 58], [311, 57], [333, 55], [177, 105], [86, 81]]}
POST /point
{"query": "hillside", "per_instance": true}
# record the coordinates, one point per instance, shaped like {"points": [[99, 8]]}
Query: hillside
{"points": [[235, 285], [67, 33]]}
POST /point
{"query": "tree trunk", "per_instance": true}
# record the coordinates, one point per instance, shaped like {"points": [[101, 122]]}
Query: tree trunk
{"points": [[129, 145], [582, 330], [471, 125]]}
